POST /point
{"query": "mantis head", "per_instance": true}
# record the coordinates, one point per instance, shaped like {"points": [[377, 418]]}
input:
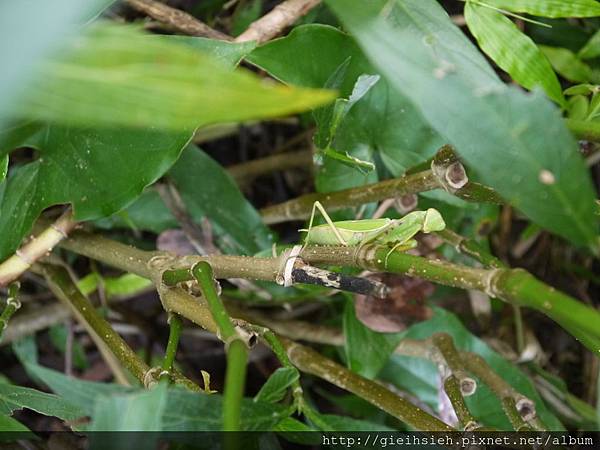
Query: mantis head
{"points": [[433, 221]]}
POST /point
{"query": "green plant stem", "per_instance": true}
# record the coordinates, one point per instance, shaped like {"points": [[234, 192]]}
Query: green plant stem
{"points": [[453, 362], [515, 286], [453, 391], [12, 305], [173, 342], [237, 353], [513, 403], [62, 286], [312, 362], [584, 129]]}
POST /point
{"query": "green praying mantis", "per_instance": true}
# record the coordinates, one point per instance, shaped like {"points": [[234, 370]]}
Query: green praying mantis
{"points": [[398, 234]]}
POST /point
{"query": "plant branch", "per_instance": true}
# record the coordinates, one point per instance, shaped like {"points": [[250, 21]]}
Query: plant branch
{"points": [[179, 20], [273, 23], [36, 248], [173, 342], [515, 286], [62, 286], [446, 173], [245, 172], [237, 353], [308, 360]]}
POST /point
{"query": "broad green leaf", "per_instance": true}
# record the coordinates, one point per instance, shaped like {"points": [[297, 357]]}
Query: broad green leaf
{"points": [[16, 133], [97, 171], [332, 422], [517, 143], [592, 48], [567, 64], [421, 378], [384, 121], [189, 411], [228, 53], [33, 36], [205, 187], [58, 337], [549, 8], [147, 213], [140, 411], [81, 393], [115, 75], [512, 50], [367, 351], [8, 424], [276, 386], [13, 398]]}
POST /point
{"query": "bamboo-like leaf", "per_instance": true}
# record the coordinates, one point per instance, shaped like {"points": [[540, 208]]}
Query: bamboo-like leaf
{"points": [[549, 8], [567, 64], [512, 50], [592, 48], [116, 75]]}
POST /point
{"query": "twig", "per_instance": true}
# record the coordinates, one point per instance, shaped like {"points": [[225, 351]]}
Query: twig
{"points": [[63, 287], [307, 360], [245, 172], [454, 367], [173, 342], [237, 353], [179, 20], [513, 403], [36, 248], [446, 173], [271, 24]]}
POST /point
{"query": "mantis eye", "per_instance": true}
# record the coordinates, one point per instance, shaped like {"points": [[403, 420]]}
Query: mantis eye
{"points": [[433, 221]]}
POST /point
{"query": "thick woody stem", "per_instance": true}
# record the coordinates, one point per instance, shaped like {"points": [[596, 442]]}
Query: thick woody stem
{"points": [[273, 23], [36, 248], [179, 20]]}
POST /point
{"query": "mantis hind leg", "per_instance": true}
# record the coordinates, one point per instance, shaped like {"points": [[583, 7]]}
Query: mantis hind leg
{"points": [[317, 206]]}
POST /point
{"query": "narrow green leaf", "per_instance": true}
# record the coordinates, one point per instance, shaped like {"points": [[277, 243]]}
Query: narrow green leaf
{"points": [[512, 50], [13, 398], [33, 36], [276, 386], [517, 143], [592, 48], [549, 8], [567, 64], [8, 424], [205, 187], [367, 351], [115, 75]]}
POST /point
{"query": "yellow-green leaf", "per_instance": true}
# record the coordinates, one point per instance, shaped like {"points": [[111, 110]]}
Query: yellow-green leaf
{"points": [[549, 8], [117, 75], [567, 64], [512, 50]]}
